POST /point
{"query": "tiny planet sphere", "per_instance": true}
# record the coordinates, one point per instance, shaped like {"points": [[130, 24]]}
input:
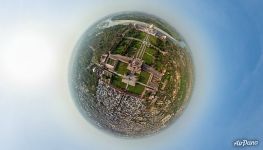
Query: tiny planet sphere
{"points": [[131, 74]]}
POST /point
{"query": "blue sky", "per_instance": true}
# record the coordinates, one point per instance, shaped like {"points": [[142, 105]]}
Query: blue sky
{"points": [[36, 109]]}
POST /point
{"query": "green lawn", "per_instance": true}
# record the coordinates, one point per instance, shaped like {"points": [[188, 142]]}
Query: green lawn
{"points": [[151, 51], [144, 77], [157, 42], [121, 68], [153, 40], [137, 89], [140, 35], [116, 81], [148, 59], [148, 56], [159, 61]]}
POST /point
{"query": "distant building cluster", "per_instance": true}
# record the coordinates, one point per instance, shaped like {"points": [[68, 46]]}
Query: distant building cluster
{"points": [[150, 30]]}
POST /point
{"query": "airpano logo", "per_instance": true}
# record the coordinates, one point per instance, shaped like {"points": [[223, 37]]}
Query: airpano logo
{"points": [[245, 143]]}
